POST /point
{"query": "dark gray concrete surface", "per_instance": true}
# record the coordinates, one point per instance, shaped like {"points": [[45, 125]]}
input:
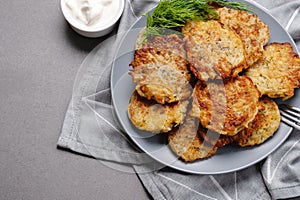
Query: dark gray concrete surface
{"points": [[39, 57]]}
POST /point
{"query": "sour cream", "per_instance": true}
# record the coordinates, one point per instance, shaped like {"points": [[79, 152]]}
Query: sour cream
{"points": [[92, 13]]}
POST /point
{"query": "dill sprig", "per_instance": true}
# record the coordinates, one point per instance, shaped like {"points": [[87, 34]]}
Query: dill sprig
{"points": [[172, 14], [233, 4]]}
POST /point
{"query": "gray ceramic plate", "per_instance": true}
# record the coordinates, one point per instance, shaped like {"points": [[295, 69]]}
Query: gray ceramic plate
{"points": [[227, 159]]}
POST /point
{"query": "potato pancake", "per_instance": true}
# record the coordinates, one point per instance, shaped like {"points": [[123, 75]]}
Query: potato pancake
{"points": [[160, 69], [214, 51], [217, 139], [277, 73], [263, 126], [186, 142], [252, 30], [226, 107], [148, 115]]}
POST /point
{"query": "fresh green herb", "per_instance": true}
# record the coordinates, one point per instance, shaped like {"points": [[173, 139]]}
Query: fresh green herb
{"points": [[172, 14], [233, 4]]}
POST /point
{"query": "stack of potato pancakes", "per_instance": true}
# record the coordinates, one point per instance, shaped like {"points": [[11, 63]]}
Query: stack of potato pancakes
{"points": [[212, 84]]}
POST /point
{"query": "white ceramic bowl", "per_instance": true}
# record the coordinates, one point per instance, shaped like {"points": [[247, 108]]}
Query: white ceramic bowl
{"points": [[92, 32]]}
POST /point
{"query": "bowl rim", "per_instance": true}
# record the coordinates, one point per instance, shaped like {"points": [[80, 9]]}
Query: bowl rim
{"points": [[99, 28]]}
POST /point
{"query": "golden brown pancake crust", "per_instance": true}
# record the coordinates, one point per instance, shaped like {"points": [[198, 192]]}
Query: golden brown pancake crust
{"points": [[187, 143], [214, 51], [160, 69], [151, 116], [217, 139], [225, 108], [277, 73], [263, 126], [252, 30]]}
